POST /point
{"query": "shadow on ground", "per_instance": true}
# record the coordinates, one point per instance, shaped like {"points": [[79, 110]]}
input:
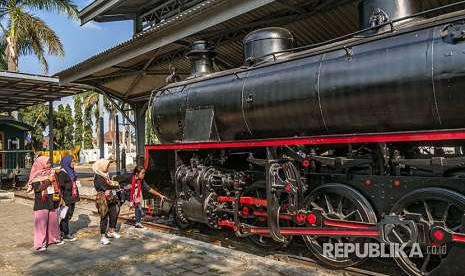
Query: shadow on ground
{"points": [[134, 254]]}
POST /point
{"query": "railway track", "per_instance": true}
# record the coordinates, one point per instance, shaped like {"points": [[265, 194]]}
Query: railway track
{"points": [[225, 239]]}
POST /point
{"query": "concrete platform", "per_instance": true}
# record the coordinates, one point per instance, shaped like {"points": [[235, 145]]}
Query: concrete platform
{"points": [[138, 252], [6, 197]]}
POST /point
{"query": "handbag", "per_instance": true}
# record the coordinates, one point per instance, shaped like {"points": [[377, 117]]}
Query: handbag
{"points": [[101, 204], [56, 197]]}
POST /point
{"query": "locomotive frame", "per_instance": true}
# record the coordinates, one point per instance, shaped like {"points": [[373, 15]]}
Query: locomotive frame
{"points": [[380, 191], [392, 187]]}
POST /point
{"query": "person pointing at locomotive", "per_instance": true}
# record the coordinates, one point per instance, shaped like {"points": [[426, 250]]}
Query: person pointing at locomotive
{"points": [[137, 185]]}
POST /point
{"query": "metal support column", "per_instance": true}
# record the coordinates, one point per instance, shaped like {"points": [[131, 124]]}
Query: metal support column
{"points": [[139, 117], [101, 139], [117, 153], [50, 130]]}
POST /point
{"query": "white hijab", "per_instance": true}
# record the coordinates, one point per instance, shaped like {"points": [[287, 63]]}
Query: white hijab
{"points": [[100, 167]]}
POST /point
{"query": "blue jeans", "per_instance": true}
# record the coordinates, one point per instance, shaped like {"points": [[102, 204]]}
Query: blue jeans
{"points": [[139, 213]]}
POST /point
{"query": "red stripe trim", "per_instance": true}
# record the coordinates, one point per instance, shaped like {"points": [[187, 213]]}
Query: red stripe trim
{"points": [[228, 224], [259, 213], [320, 140], [458, 238], [245, 200], [285, 217], [320, 232], [331, 232], [301, 231], [442, 135], [225, 199], [344, 224], [253, 201]]}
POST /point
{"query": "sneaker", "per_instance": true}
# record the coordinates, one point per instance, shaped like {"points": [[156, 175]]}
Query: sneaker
{"points": [[113, 235], [104, 241], [42, 249], [139, 225], [69, 238], [60, 242]]}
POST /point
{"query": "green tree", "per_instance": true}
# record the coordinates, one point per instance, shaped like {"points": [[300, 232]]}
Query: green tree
{"points": [[3, 59], [37, 117], [78, 121], [63, 127], [87, 121], [150, 137], [25, 33], [69, 128], [87, 137]]}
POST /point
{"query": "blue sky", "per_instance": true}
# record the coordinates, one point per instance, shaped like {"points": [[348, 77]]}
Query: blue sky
{"points": [[80, 43]]}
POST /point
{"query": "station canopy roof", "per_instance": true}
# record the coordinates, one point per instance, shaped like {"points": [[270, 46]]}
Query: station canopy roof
{"points": [[114, 10], [132, 69], [18, 90]]}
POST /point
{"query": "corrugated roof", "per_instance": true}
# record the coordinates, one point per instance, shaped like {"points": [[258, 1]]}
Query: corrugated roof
{"points": [[311, 27], [146, 34], [18, 90]]}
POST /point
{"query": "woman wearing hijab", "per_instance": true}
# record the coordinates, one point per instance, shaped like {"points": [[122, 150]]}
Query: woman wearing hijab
{"points": [[43, 182], [67, 178], [105, 201], [137, 185]]}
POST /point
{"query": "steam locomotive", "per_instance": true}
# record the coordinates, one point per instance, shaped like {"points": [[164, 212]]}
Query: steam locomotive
{"points": [[357, 140]]}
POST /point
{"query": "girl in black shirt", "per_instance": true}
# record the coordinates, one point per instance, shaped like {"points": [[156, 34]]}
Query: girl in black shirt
{"points": [[67, 178]]}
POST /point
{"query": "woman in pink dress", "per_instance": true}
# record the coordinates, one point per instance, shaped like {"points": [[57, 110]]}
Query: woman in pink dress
{"points": [[47, 199]]}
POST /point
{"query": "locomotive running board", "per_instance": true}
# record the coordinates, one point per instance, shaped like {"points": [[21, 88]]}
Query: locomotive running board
{"points": [[388, 137]]}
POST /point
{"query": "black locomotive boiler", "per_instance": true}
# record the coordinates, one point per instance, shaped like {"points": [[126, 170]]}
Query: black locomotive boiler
{"points": [[356, 140]]}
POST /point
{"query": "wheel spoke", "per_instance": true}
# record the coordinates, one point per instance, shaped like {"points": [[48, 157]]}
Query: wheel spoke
{"points": [[428, 212], [446, 212], [430, 205], [397, 236], [339, 206], [316, 206], [350, 214], [328, 204]]}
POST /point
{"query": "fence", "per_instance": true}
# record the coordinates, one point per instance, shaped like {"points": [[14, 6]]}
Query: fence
{"points": [[16, 159], [15, 166]]}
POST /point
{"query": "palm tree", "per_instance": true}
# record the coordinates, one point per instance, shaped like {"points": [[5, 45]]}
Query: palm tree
{"points": [[3, 59], [90, 104], [25, 33]]}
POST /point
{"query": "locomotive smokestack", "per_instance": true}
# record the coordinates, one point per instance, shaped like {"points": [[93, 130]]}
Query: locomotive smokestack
{"points": [[201, 56], [376, 12]]}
